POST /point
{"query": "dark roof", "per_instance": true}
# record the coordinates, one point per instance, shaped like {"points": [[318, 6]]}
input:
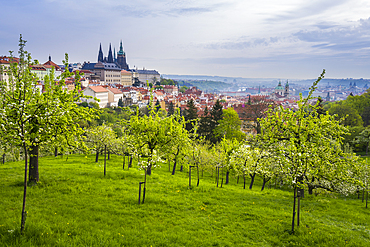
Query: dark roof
{"points": [[92, 66], [147, 72], [111, 66]]}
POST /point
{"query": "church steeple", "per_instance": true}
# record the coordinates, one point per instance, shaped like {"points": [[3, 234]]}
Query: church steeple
{"points": [[114, 54], [100, 56], [286, 91], [121, 58], [121, 52], [110, 55]]}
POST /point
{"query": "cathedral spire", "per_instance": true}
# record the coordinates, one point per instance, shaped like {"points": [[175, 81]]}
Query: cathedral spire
{"points": [[100, 56], [110, 56], [114, 54]]}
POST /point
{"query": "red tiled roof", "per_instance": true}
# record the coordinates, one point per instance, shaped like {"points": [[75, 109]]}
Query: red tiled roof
{"points": [[98, 89], [38, 67], [125, 72], [51, 63], [115, 90], [7, 60]]}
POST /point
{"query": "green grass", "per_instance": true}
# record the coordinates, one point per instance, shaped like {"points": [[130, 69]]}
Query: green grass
{"points": [[75, 205]]}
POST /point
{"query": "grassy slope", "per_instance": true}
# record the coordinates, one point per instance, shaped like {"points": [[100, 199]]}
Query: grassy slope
{"points": [[74, 205]]}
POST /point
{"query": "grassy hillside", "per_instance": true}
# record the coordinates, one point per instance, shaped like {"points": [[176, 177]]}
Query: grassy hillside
{"points": [[75, 205]]}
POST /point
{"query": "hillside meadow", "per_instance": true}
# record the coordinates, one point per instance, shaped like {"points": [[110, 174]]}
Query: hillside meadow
{"points": [[75, 205]]}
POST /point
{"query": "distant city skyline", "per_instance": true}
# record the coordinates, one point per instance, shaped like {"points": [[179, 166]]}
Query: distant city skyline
{"points": [[233, 38]]}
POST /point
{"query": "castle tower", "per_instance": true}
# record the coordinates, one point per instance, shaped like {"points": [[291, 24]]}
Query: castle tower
{"points": [[110, 55], [100, 56], [286, 91], [121, 58]]}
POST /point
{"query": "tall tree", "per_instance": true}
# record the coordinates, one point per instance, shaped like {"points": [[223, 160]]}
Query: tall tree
{"points": [[229, 126], [157, 106], [171, 109], [190, 115], [204, 129], [31, 117], [349, 114], [216, 116]]}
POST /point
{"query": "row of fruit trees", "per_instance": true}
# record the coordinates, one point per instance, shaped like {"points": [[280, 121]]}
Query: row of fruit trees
{"points": [[300, 147]]}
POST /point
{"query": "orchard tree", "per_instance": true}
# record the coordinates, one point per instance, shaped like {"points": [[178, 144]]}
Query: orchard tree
{"points": [[151, 135], [31, 117], [248, 160], [180, 144], [101, 138], [226, 148], [309, 146]]}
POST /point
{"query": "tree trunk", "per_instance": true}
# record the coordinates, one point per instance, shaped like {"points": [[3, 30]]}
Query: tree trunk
{"points": [[295, 189], [218, 174], [130, 164], [190, 176], [56, 152], [105, 159], [24, 213], [144, 190], [4, 158], [123, 162], [108, 155], [310, 189], [298, 206], [227, 176], [97, 156], [33, 173], [300, 191], [198, 175], [149, 171], [244, 180], [252, 180], [265, 180], [181, 168], [174, 167]]}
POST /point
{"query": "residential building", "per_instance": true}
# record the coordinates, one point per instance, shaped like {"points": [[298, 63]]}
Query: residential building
{"points": [[97, 92], [114, 95], [40, 71], [170, 89], [126, 78]]}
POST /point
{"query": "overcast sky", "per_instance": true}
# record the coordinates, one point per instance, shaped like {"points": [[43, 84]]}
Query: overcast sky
{"points": [[290, 39]]}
